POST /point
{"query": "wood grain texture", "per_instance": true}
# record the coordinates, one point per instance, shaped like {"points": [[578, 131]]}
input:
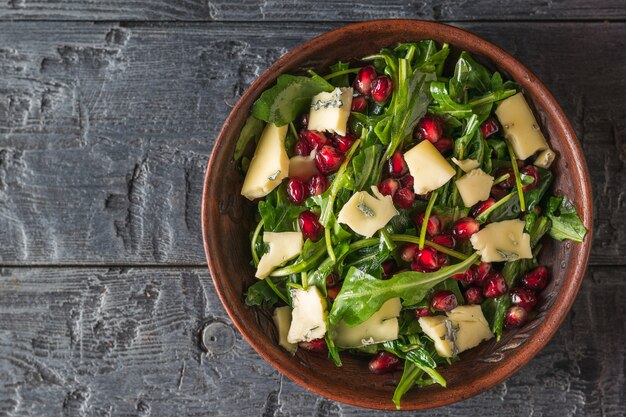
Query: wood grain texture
{"points": [[125, 342], [105, 130], [301, 10]]}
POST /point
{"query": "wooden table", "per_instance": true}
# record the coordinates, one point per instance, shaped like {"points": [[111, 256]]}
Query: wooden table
{"points": [[108, 112]]}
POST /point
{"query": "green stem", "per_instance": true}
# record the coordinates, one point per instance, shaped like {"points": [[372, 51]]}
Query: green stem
{"points": [[429, 208], [342, 72], [518, 179], [294, 132], [329, 245], [490, 98], [501, 178], [276, 290], [255, 236], [482, 217], [387, 239], [304, 279], [300, 266]]}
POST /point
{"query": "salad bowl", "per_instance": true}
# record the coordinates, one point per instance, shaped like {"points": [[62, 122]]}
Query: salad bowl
{"points": [[228, 218]]}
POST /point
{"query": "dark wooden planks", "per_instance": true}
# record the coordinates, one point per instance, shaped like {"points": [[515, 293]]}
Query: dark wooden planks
{"points": [[301, 10], [124, 342], [105, 130]]}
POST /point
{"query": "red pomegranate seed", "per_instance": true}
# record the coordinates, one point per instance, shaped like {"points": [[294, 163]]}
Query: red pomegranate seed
{"points": [[444, 145], [332, 279], [381, 89], [397, 165], [417, 267], [317, 184], [537, 279], [363, 80], [328, 159], [481, 272], [533, 172], [343, 143], [296, 191], [482, 207], [407, 181], [384, 362], [333, 292], [433, 227], [498, 192], [443, 301], [303, 120], [429, 128], [465, 227], [525, 298], [508, 183], [489, 127], [422, 312], [314, 138], [359, 104], [388, 186], [404, 198], [442, 259], [310, 225], [467, 277], [494, 286], [514, 317], [388, 268], [301, 148], [427, 258], [408, 252], [537, 210], [473, 295], [444, 240], [315, 346]]}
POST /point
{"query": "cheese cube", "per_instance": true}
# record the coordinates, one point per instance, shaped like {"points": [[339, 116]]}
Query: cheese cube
{"points": [[382, 326], [472, 327], [466, 165], [428, 167], [308, 318], [520, 126], [283, 247], [366, 214], [502, 241], [282, 321], [330, 111], [441, 331], [269, 165], [474, 186], [545, 158]]}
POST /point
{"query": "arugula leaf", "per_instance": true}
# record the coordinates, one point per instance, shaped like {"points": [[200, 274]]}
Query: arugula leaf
{"points": [[511, 209], [468, 76], [410, 375], [339, 80], [446, 104], [260, 294], [566, 223], [278, 213], [310, 257], [364, 164], [291, 95], [251, 131]]}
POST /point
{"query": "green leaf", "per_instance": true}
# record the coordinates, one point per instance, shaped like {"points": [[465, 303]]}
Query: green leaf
{"points": [[469, 77], [291, 95], [511, 209], [566, 223], [251, 131], [364, 166], [260, 294], [278, 213], [446, 104], [336, 79], [410, 375]]}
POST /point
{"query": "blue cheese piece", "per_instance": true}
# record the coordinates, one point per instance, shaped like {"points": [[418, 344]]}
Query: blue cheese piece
{"points": [[269, 165], [308, 318], [502, 241], [466, 165], [442, 331], [474, 186], [282, 321], [382, 326], [283, 247], [520, 127], [428, 167], [366, 214], [330, 111]]}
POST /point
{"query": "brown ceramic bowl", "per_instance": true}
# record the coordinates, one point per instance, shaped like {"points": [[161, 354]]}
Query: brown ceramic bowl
{"points": [[227, 219]]}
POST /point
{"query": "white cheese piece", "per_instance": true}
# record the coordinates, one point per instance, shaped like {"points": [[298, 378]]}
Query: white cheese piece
{"points": [[308, 318], [474, 186], [269, 165], [472, 327], [502, 241], [382, 326], [366, 214], [520, 126], [442, 332], [429, 168], [283, 247], [467, 164], [282, 321], [303, 167], [330, 111], [545, 158]]}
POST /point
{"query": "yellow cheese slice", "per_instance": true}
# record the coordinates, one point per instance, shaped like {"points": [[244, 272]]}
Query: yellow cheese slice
{"points": [[502, 241], [283, 247], [366, 214], [330, 111], [382, 326], [429, 168], [474, 186]]}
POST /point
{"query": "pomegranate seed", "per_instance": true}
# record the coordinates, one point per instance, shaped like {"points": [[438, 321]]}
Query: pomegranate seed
{"points": [[296, 191], [444, 240], [301, 148], [303, 120], [427, 258], [408, 252], [467, 277], [417, 267], [533, 172], [384, 362], [514, 317], [310, 225], [388, 186], [444, 145], [315, 346], [489, 127], [397, 165], [537, 279], [498, 192], [363, 80], [328, 159], [429, 128], [404, 198], [508, 183], [314, 138], [494, 286], [482, 207], [333, 292], [407, 181], [359, 104], [465, 227], [481, 272], [381, 89], [317, 184], [433, 226], [473, 295], [525, 298], [443, 301], [422, 312], [537, 210], [343, 143], [442, 259], [332, 279], [388, 268]]}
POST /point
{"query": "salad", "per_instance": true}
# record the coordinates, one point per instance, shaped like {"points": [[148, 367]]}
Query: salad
{"points": [[401, 209]]}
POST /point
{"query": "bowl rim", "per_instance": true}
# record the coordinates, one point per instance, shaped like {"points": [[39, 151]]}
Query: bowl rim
{"points": [[558, 311]]}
